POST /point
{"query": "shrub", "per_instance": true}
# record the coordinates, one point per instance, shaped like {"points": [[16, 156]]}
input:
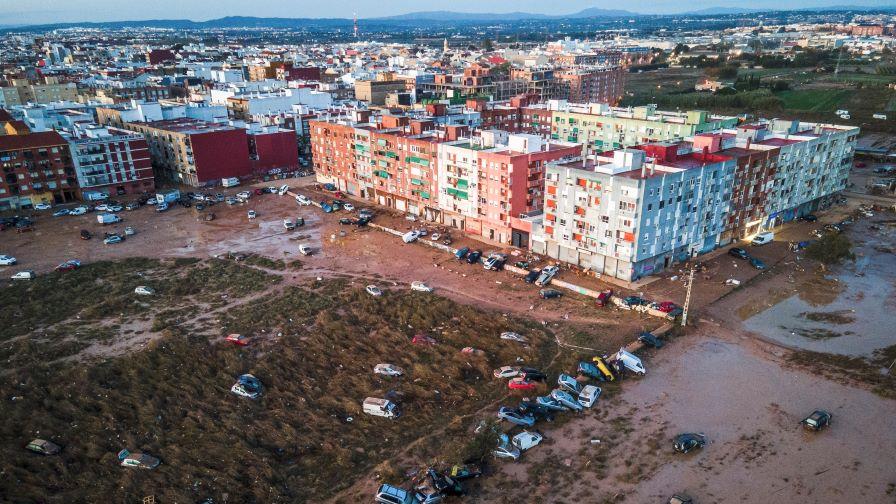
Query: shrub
{"points": [[832, 248]]}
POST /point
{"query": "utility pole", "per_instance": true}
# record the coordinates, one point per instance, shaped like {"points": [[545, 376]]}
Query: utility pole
{"points": [[687, 298]]}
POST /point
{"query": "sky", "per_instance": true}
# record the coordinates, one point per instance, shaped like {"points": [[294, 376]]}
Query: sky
{"points": [[22, 12]]}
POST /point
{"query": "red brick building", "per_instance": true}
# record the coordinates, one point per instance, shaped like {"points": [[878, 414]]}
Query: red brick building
{"points": [[35, 168], [273, 151]]}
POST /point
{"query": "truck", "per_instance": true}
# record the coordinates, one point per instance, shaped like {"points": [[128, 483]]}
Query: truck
{"points": [[381, 407], [230, 182], [168, 196], [107, 218]]}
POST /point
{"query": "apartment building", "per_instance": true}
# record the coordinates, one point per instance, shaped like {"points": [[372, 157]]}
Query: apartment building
{"points": [[633, 212], [375, 92], [110, 161], [22, 92], [593, 84], [601, 128], [486, 182], [36, 167], [194, 152]]}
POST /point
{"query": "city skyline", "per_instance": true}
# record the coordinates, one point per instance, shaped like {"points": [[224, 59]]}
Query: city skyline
{"points": [[58, 11]]}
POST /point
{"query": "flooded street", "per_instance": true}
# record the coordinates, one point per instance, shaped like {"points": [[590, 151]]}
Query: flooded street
{"points": [[859, 320]]}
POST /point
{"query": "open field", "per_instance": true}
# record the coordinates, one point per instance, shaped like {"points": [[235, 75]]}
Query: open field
{"points": [[95, 368]]}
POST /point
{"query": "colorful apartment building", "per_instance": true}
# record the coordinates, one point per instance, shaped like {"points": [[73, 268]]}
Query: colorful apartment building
{"points": [[593, 84], [110, 161], [633, 212], [601, 128], [36, 167]]}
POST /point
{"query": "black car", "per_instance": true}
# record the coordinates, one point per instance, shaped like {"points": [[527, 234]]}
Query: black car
{"points": [[532, 276], [473, 257], [345, 221], [650, 340], [86, 235], [549, 293], [362, 221], [532, 374], [738, 253], [689, 441], [809, 218], [819, 419], [200, 207], [536, 410]]}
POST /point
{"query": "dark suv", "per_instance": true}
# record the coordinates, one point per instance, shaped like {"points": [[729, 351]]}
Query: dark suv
{"points": [[738, 253]]}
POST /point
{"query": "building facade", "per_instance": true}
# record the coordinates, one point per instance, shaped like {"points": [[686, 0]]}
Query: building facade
{"points": [[36, 167], [110, 161]]}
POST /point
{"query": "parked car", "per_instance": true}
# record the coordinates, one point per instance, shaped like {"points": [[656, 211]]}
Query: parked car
{"points": [[604, 297], [819, 419], [521, 383], [532, 276], [61, 212], [688, 441], [461, 253], [305, 249], [762, 239], [243, 195], [420, 286], [630, 362], [282, 190], [603, 368], [373, 290], [526, 440], [388, 370], [515, 417], [251, 214], [590, 370], [494, 262], [6, 260], [78, 210], [473, 257], [532, 374], [113, 239], [129, 231], [506, 372], [388, 494], [303, 200], [69, 265], [566, 399], [410, 236], [756, 263], [650, 340], [680, 499], [512, 336], [589, 395], [549, 293], [550, 403], [138, 460], [505, 448], [547, 274], [809, 218], [348, 207], [231, 200], [43, 447], [464, 472], [569, 383], [632, 301], [86, 235], [289, 224], [24, 275], [144, 290], [43, 206], [161, 207], [237, 339], [247, 386]]}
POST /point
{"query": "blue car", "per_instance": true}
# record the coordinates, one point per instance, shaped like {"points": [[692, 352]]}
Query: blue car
{"points": [[756, 263], [326, 207], [330, 187], [515, 417], [590, 370], [461, 253]]}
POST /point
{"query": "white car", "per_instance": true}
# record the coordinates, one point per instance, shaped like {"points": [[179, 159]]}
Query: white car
{"points": [[512, 336], [388, 370], [588, 396], [243, 195], [506, 449], [102, 207], [144, 290], [304, 249], [252, 214], [373, 290], [420, 286], [506, 372], [282, 190], [303, 200], [289, 224], [79, 210], [526, 440], [43, 206], [6, 260], [348, 207], [23, 275], [411, 236]]}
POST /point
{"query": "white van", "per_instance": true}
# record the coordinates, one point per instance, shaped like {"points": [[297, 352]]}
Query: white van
{"points": [[230, 182], [526, 440], [631, 362], [763, 238], [588, 396], [882, 117], [381, 407]]}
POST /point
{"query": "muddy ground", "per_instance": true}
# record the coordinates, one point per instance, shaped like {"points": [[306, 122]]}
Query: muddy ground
{"points": [[719, 378]]}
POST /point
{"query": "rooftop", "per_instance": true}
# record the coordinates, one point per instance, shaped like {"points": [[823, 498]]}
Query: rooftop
{"points": [[189, 126]]}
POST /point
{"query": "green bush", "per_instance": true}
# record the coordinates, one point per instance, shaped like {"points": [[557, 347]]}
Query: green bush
{"points": [[832, 248]]}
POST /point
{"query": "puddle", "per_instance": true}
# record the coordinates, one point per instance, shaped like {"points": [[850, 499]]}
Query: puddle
{"points": [[855, 321]]}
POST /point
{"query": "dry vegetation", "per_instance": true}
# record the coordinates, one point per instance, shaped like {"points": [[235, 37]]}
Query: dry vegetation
{"points": [[314, 348]]}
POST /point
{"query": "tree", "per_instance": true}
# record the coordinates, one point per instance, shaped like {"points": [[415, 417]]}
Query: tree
{"points": [[832, 248], [488, 45]]}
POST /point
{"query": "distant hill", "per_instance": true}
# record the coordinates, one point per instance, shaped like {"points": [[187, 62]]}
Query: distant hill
{"points": [[507, 16], [720, 11]]}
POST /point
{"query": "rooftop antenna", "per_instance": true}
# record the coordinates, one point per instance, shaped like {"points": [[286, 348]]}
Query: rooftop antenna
{"points": [[355, 14]]}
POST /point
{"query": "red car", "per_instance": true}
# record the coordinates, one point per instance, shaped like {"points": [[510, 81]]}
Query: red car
{"points": [[666, 306], [237, 339], [520, 384], [604, 297], [422, 339], [258, 192], [339, 194], [69, 265]]}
